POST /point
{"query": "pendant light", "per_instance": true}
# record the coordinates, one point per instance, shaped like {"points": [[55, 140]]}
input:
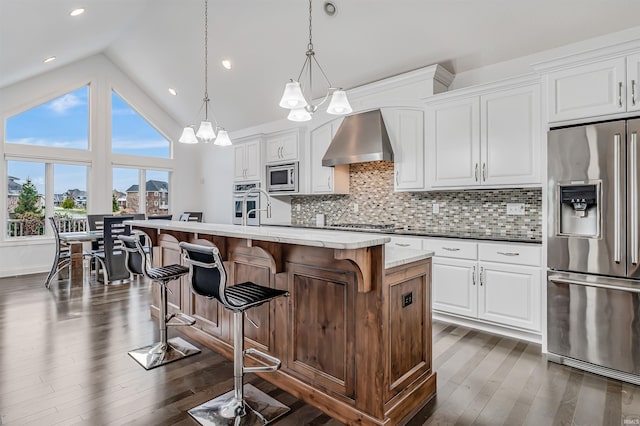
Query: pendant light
{"points": [[294, 99], [206, 132]]}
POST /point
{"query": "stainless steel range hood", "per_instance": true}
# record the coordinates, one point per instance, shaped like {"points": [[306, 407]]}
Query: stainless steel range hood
{"points": [[361, 138]]}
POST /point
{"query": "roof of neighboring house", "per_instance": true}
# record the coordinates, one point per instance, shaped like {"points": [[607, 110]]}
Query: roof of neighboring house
{"points": [[13, 186], [151, 186]]}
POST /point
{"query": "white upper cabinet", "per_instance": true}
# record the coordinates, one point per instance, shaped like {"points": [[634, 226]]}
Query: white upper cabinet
{"points": [[510, 136], [453, 142], [247, 165], [326, 180], [406, 132], [590, 90], [282, 146], [491, 139], [633, 81]]}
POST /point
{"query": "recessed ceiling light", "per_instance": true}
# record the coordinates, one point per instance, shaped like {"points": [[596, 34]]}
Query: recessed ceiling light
{"points": [[49, 59], [76, 12], [226, 63], [173, 91]]}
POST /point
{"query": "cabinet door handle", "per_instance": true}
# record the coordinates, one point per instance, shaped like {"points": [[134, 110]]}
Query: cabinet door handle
{"points": [[280, 154], [450, 248], [620, 94], [476, 172], [633, 92], [402, 244], [329, 181], [473, 275], [397, 181], [481, 277], [509, 253], [484, 172]]}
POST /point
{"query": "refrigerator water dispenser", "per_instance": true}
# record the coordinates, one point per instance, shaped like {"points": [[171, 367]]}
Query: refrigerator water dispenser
{"points": [[579, 209]]}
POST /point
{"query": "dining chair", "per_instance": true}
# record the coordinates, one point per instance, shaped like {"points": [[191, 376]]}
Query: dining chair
{"points": [[62, 259], [111, 260]]}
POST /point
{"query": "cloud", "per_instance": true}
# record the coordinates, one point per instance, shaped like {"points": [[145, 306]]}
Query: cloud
{"points": [[123, 111], [64, 104], [135, 144], [77, 144]]}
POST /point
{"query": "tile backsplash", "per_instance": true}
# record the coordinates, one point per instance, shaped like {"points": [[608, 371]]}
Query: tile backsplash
{"points": [[471, 212]]}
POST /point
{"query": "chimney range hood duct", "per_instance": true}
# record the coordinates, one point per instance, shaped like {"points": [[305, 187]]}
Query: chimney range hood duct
{"points": [[361, 138]]}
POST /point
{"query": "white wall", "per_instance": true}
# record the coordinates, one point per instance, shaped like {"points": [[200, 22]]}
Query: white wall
{"points": [[34, 254]]}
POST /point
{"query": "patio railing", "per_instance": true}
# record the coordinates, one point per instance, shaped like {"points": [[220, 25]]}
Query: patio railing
{"points": [[22, 228]]}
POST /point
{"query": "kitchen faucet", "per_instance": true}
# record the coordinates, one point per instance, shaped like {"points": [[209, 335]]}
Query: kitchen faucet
{"points": [[246, 213]]}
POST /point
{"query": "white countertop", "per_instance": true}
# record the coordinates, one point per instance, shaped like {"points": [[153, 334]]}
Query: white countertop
{"points": [[278, 234], [396, 256]]}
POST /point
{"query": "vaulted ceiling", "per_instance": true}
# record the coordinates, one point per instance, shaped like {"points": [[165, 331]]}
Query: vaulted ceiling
{"points": [[159, 43]]}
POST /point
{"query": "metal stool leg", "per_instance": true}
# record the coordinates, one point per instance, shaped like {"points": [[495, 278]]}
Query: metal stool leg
{"points": [[245, 404], [165, 351]]}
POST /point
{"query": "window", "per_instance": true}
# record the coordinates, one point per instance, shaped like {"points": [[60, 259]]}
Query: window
{"points": [[127, 191], [25, 198], [60, 123], [70, 196], [131, 134]]}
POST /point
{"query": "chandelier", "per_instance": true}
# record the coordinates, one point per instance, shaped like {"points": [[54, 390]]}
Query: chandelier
{"points": [[206, 132], [294, 99]]}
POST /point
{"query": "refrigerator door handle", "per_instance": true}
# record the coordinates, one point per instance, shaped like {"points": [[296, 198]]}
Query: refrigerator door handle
{"points": [[633, 189], [616, 197], [565, 280]]}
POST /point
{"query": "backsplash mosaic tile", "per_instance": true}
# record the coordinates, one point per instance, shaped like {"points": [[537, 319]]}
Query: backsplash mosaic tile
{"points": [[470, 212]]}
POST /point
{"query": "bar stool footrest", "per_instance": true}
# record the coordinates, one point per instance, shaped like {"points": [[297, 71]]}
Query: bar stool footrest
{"points": [[275, 362], [155, 355], [185, 320], [259, 409]]}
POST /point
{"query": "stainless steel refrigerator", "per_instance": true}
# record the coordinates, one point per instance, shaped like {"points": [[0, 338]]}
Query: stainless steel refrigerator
{"points": [[593, 282]]}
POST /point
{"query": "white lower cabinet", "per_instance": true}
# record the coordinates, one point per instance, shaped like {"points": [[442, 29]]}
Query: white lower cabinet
{"points": [[492, 282], [509, 294]]}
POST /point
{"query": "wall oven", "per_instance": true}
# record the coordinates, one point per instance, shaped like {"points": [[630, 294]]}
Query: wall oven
{"points": [[282, 178], [253, 203]]}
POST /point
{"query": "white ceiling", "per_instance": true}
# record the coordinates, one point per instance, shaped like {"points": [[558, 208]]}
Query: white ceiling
{"points": [[159, 43]]}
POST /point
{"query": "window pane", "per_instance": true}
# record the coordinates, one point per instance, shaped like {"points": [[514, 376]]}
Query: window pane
{"points": [[60, 123], [157, 188], [126, 191], [131, 134], [70, 196], [25, 198]]}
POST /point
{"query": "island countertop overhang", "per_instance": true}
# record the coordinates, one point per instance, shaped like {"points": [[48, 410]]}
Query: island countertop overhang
{"points": [[343, 240]]}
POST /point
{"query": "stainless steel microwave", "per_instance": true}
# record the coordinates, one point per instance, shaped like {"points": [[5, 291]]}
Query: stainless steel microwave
{"points": [[282, 178]]}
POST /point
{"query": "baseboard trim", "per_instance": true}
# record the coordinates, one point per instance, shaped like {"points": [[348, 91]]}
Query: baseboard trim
{"points": [[490, 328]]}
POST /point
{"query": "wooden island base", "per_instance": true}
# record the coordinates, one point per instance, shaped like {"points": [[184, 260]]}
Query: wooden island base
{"points": [[354, 338]]}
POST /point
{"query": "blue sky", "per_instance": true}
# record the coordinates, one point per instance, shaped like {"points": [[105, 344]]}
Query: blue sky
{"points": [[64, 122]]}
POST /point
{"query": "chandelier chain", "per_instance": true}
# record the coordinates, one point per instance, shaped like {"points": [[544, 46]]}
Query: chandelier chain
{"points": [[206, 62], [310, 45]]}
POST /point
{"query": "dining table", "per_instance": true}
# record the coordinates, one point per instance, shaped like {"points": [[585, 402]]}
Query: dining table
{"points": [[75, 240]]}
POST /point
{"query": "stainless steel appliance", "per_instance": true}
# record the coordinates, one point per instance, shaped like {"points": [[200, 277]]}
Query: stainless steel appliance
{"points": [[253, 203], [593, 283], [282, 178]]}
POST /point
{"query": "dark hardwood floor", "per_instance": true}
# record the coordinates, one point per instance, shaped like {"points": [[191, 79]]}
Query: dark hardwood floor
{"points": [[63, 361]]}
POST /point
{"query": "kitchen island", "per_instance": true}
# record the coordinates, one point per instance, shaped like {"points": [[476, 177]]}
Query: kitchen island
{"points": [[354, 336]]}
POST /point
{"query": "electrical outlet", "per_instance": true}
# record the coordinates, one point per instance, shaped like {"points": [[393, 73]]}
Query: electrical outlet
{"points": [[298, 207], [435, 208], [515, 209], [407, 299], [355, 207]]}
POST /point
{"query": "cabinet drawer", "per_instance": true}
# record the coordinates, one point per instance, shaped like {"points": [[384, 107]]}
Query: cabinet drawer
{"points": [[406, 242], [452, 248], [521, 254]]}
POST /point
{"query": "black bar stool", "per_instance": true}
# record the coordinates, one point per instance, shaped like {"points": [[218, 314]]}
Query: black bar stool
{"points": [[245, 404], [165, 351]]}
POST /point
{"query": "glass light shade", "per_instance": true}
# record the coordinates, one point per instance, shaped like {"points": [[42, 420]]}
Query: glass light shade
{"points": [[339, 104], [299, 114], [206, 132], [223, 138], [292, 97], [188, 136]]}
